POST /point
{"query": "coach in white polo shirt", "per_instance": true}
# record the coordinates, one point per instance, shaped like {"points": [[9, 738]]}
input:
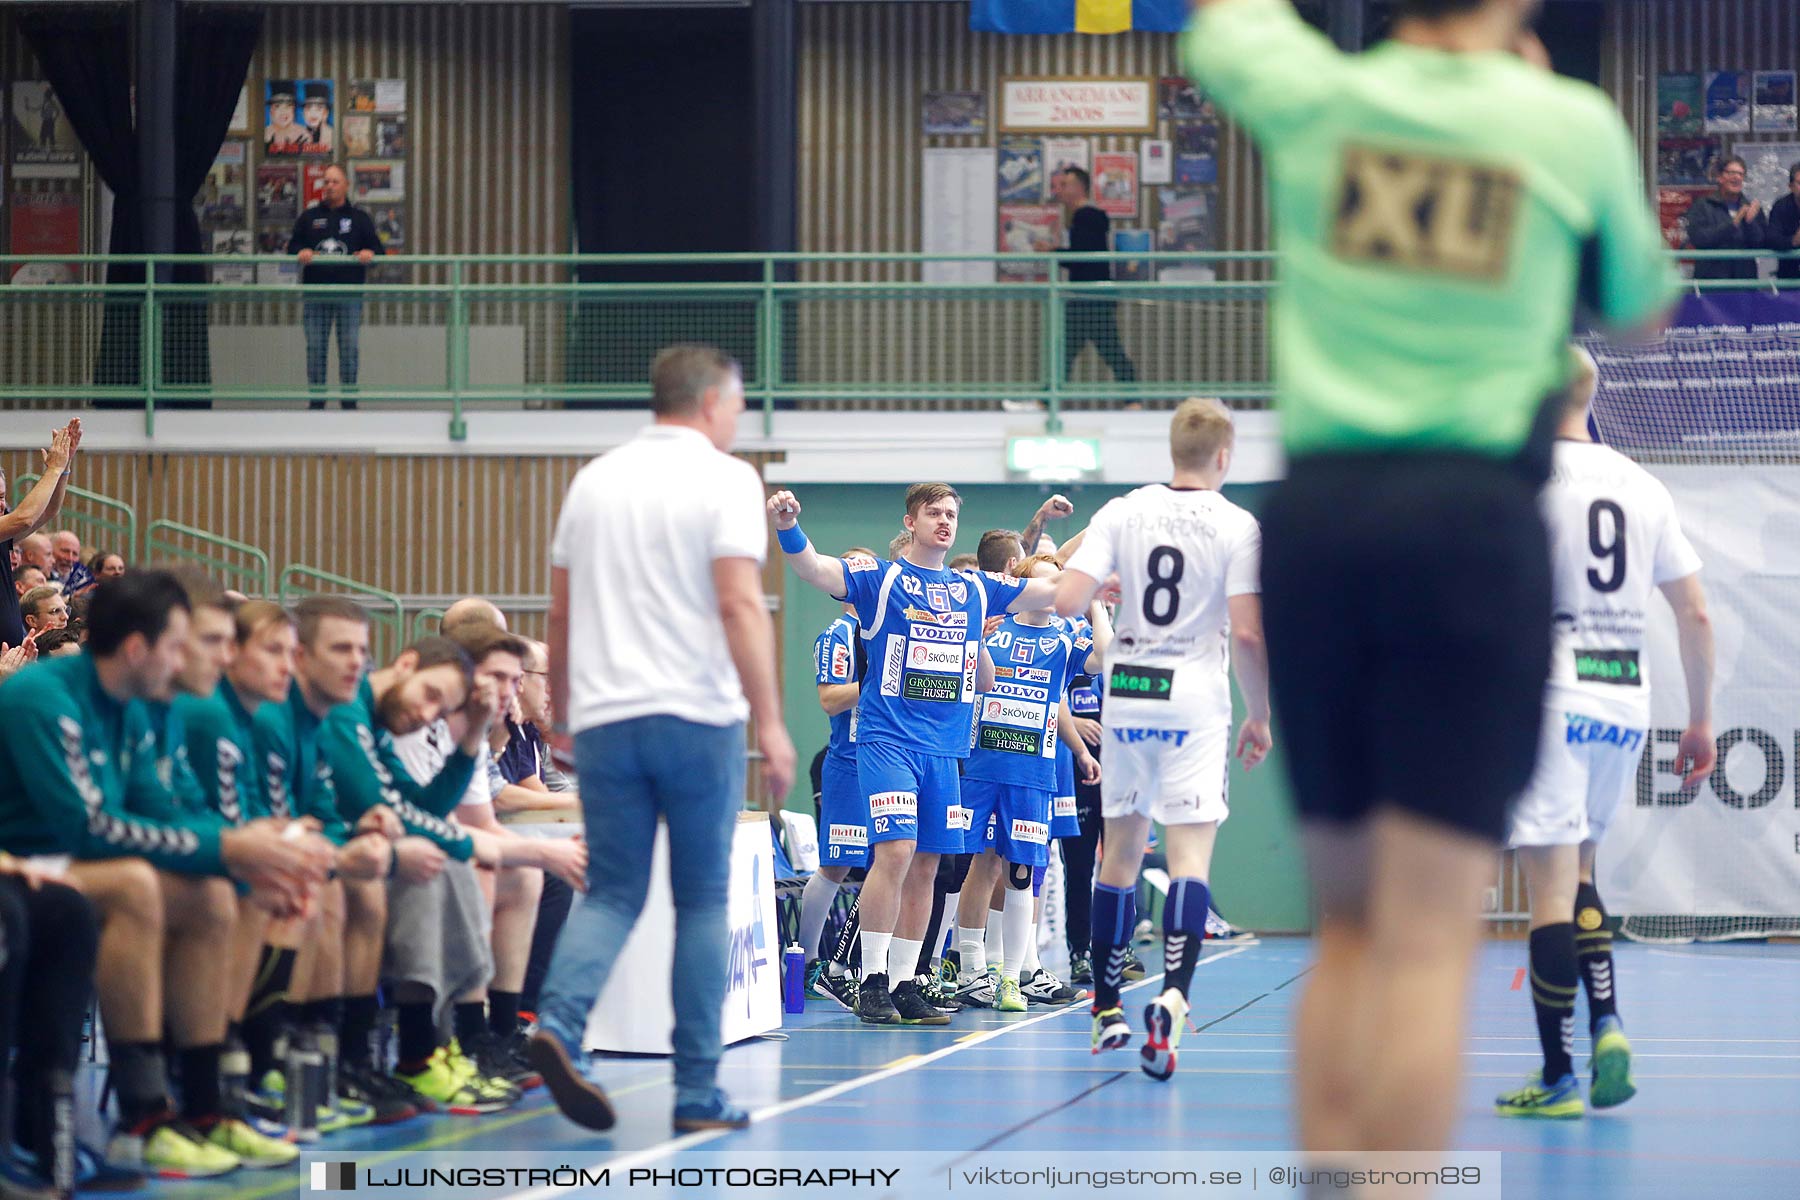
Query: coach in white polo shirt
{"points": [[659, 646]]}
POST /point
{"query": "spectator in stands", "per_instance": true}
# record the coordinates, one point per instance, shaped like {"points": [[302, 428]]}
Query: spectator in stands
{"points": [[43, 609], [106, 564], [1784, 226], [335, 242], [1095, 321], [471, 610], [14, 660], [29, 578], [55, 643], [66, 565], [35, 551], [1727, 220]]}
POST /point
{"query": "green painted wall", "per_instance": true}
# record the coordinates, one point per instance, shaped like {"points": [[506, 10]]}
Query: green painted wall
{"points": [[1257, 872]]}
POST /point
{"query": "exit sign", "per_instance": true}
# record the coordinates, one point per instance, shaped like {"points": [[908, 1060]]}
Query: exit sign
{"points": [[1053, 459]]}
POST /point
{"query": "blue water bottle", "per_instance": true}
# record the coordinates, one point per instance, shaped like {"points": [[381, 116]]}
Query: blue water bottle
{"points": [[793, 983]]}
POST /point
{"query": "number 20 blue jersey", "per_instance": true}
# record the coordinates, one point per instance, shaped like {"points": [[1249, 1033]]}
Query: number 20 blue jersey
{"points": [[922, 631], [1016, 740]]}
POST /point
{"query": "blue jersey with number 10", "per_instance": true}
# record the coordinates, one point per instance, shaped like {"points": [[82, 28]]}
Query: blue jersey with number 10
{"points": [[1016, 741], [922, 631]]}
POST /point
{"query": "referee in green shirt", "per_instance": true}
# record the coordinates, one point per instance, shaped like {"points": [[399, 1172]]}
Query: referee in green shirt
{"points": [[1441, 207]]}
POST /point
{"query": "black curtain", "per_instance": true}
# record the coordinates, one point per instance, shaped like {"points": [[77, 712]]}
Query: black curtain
{"points": [[663, 158], [86, 55]]}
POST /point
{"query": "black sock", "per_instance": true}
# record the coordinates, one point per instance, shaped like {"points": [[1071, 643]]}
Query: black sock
{"points": [[503, 1012], [1184, 931], [328, 1013], [1115, 918], [140, 1081], [471, 1023], [1553, 988], [269, 1012], [847, 938], [356, 1032], [1593, 951], [201, 1101], [417, 1034]]}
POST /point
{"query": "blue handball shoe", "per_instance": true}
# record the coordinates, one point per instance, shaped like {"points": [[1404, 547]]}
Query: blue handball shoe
{"points": [[716, 1112]]}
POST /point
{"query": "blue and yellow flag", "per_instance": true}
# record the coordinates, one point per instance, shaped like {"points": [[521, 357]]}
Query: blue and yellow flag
{"points": [[1077, 16]]}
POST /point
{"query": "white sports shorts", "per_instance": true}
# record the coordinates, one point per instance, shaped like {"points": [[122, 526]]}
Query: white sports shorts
{"points": [[1173, 776]]}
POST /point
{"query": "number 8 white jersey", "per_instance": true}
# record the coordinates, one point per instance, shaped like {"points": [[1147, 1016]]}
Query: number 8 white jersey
{"points": [[1179, 555], [1614, 538]]}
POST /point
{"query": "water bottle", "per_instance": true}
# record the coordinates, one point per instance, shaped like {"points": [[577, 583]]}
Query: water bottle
{"points": [[326, 1038], [794, 979], [305, 1071], [234, 1073]]}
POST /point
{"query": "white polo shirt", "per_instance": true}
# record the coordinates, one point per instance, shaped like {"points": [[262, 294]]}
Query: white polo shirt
{"points": [[638, 534]]}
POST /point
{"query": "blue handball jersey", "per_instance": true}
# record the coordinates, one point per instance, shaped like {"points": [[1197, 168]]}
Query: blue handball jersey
{"points": [[922, 632], [836, 655], [1016, 740]]}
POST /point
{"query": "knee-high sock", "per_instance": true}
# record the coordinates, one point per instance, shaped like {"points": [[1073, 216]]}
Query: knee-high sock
{"points": [[1593, 953], [996, 936], [815, 906], [1184, 928], [1553, 989], [875, 948], [1016, 920], [1114, 917], [269, 1012], [972, 944]]}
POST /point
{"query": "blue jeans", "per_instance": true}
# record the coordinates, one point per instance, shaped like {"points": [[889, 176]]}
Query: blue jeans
{"points": [[631, 773], [317, 318]]}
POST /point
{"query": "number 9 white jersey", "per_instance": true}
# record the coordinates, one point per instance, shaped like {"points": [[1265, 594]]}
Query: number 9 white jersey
{"points": [[1614, 539], [1180, 555]]}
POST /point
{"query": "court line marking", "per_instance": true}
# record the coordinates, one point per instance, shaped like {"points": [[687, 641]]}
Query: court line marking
{"points": [[1518, 979], [624, 1163]]}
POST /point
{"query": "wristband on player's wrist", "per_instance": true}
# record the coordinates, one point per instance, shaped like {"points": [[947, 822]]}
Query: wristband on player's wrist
{"points": [[793, 541]]}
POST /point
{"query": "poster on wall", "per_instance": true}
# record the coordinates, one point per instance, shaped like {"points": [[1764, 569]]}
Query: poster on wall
{"points": [[240, 113], [1196, 152], [1048, 105], [1686, 162], [1773, 111], [1678, 106], [1156, 162], [312, 185], [224, 199], [1116, 183], [1672, 204], [1021, 170], [359, 135], [390, 137], [390, 225], [957, 208], [1180, 100], [1133, 241], [298, 118], [273, 239], [44, 145], [1029, 229], [1728, 102], [954, 114], [1061, 153], [374, 181], [45, 223], [277, 192], [1189, 221], [234, 241]]}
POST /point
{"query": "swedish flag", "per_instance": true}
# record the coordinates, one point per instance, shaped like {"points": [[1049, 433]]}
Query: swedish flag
{"points": [[1077, 16]]}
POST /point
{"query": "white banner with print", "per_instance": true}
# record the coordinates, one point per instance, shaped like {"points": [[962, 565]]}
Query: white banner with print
{"points": [[1731, 846]]}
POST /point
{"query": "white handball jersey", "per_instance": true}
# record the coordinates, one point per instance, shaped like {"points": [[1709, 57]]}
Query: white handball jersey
{"points": [[1179, 555], [1614, 538]]}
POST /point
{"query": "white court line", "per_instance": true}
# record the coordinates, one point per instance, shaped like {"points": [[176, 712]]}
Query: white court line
{"points": [[624, 1163]]}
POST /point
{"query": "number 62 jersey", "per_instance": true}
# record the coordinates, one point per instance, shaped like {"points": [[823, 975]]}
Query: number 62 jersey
{"points": [[1180, 555]]}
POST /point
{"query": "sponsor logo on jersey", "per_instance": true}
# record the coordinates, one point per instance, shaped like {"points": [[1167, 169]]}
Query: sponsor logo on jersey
{"points": [[1002, 710], [958, 817], [1010, 741], [937, 596], [1132, 736], [1035, 674], [912, 585], [959, 592], [1048, 644], [935, 656], [1022, 652], [847, 835], [999, 577], [1062, 806], [956, 620], [970, 661], [1585, 731], [1036, 832], [934, 633], [932, 687], [856, 564], [840, 662], [894, 804], [1084, 643], [1023, 691], [1003, 672], [893, 663]]}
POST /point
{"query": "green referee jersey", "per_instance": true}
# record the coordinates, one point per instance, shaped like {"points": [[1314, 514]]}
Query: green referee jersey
{"points": [[1437, 214], [80, 774]]}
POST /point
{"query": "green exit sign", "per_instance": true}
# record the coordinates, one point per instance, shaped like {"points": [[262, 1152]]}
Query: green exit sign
{"points": [[1053, 459]]}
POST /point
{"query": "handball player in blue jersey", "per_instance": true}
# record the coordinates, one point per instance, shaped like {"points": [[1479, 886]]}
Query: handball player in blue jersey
{"points": [[920, 625]]}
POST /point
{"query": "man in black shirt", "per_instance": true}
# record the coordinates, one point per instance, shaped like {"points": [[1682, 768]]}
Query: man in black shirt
{"points": [[335, 242], [1727, 220], [1095, 321], [1784, 226], [39, 507]]}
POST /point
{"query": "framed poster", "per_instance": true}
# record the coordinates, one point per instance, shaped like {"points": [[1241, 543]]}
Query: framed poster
{"points": [[1188, 219], [1773, 108], [390, 224], [1196, 152], [298, 118], [312, 184], [1728, 102], [1133, 241], [359, 135], [45, 223], [234, 241], [1156, 164], [953, 114], [1180, 100], [1029, 229], [224, 198], [44, 145], [377, 180], [1061, 153], [1116, 184], [1678, 106], [277, 192], [1021, 170], [1078, 105], [390, 137], [1672, 204], [1686, 161]]}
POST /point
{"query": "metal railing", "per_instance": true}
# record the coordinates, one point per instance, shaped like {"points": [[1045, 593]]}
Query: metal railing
{"points": [[455, 332], [387, 613], [243, 567], [102, 522], [426, 622]]}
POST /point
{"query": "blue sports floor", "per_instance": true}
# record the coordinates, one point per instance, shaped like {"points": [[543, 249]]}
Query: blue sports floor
{"points": [[1716, 1030]]}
